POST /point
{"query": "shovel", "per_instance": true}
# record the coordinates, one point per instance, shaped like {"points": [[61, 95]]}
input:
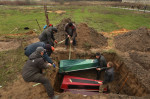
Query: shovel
{"points": [[61, 41]]}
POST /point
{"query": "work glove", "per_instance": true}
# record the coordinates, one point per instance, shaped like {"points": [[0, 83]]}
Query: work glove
{"points": [[52, 48], [56, 42], [54, 65]]}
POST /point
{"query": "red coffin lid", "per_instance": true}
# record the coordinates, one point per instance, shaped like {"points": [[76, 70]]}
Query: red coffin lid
{"points": [[71, 82]]}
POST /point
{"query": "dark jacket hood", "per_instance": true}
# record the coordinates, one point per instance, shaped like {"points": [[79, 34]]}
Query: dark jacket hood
{"points": [[34, 55], [51, 29]]}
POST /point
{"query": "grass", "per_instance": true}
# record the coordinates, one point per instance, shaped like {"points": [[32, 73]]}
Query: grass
{"points": [[99, 17], [11, 64]]}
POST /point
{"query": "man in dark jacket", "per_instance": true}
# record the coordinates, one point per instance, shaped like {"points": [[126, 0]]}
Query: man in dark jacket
{"points": [[49, 49], [70, 30], [32, 70], [108, 77], [47, 36], [101, 64]]}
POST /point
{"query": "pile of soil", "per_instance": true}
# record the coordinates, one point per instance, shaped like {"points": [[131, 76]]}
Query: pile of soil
{"points": [[138, 40], [87, 37]]}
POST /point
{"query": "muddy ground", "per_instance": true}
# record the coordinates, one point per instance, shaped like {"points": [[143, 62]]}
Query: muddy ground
{"points": [[132, 63]]}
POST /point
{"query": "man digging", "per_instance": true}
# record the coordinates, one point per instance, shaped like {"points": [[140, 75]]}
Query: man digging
{"points": [[71, 34]]}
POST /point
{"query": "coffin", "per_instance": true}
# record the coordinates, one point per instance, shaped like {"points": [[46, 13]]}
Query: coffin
{"points": [[71, 82], [77, 64]]}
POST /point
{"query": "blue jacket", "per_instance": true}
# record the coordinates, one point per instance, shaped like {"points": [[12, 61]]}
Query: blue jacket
{"points": [[32, 47]]}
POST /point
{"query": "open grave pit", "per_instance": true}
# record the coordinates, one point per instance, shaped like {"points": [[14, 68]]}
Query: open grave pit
{"points": [[125, 82]]}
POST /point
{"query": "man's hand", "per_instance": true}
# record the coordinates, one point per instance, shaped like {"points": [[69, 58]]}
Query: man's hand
{"points": [[98, 68], [56, 42], [71, 41], [54, 65], [100, 82], [49, 64]]}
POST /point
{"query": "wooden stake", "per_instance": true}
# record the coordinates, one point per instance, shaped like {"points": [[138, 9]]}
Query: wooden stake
{"points": [[46, 14], [69, 50]]}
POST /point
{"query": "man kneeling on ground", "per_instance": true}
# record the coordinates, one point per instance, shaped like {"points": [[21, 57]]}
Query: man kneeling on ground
{"points": [[108, 77], [32, 70]]}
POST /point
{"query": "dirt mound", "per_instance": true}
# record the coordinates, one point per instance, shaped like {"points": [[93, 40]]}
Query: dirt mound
{"points": [[86, 37], [138, 40]]}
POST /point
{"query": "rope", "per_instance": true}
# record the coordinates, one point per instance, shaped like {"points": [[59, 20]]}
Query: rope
{"points": [[69, 50]]}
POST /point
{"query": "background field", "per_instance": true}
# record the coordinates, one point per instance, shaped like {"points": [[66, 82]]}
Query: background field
{"points": [[102, 18]]}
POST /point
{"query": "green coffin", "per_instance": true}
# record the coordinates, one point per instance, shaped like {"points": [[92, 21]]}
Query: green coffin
{"points": [[76, 65]]}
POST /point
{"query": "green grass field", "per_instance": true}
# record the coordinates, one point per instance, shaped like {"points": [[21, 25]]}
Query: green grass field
{"points": [[103, 19]]}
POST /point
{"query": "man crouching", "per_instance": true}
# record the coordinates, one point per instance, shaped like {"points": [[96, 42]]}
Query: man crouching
{"points": [[32, 70]]}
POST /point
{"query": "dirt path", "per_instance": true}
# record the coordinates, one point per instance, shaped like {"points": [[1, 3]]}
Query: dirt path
{"points": [[9, 45]]}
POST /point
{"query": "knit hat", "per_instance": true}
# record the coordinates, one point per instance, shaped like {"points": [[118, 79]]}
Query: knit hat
{"points": [[70, 24], [48, 47], [98, 54], [40, 49], [51, 25]]}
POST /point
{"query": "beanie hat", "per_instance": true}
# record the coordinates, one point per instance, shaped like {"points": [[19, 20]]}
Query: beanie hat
{"points": [[40, 49], [70, 24], [98, 54], [54, 29], [51, 25], [48, 47]]}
